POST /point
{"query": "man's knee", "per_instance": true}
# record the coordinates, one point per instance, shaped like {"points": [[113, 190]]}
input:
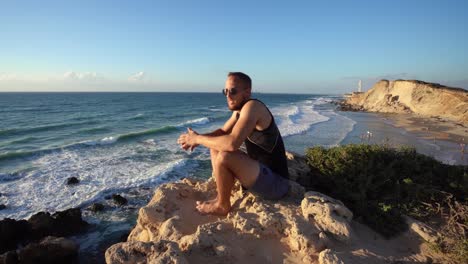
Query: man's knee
{"points": [[213, 152], [224, 157]]}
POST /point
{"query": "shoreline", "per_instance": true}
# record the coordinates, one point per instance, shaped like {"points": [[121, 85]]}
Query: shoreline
{"points": [[432, 127], [435, 137]]}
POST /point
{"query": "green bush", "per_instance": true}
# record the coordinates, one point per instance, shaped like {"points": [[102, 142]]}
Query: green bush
{"points": [[379, 183]]}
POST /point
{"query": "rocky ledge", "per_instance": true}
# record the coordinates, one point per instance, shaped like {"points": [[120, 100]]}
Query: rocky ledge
{"points": [[304, 227], [40, 238], [412, 96]]}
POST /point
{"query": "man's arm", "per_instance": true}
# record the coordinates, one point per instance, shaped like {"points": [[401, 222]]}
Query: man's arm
{"points": [[226, 129], [240, 130]]}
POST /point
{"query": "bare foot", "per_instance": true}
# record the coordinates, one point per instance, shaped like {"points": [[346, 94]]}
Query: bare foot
{"points": [[207, 202], [213, 208]]}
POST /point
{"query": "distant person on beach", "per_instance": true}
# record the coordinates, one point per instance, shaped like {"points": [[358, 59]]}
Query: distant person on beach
{"points": [[263, 169]]}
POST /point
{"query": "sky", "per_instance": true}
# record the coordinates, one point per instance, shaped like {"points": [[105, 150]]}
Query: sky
{"points": [[312, 47]]}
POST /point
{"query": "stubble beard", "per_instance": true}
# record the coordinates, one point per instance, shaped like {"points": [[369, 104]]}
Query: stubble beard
{"points": [[237, 106]]}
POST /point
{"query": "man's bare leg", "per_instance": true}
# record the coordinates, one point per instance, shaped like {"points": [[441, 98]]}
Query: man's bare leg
{"points": [[213, 155], [230, 166], [222, 204]]}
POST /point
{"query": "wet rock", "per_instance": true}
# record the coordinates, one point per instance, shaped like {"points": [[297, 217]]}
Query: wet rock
{"points": [[50, 250], [62, 223], [2, 206], [123, 237], [41, 224], [119, 200], [10, 257], [72, 180], [15, 234], [12, 232], [96, 207]]}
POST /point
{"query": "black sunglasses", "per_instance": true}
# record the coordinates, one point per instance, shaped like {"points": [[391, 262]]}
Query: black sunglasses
{"points": [[232, 91]]}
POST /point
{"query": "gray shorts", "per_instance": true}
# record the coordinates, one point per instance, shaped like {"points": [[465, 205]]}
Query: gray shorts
{"points": [[270, 185]]}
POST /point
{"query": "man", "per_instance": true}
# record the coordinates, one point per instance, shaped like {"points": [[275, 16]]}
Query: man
{"points": [[263, 170]]}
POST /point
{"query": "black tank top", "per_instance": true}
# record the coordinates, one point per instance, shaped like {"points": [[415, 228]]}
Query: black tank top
{"points": [[267, 147]]}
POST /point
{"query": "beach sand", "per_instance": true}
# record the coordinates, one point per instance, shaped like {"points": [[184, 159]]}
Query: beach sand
{"points": [[434, 137], [431, 128]]}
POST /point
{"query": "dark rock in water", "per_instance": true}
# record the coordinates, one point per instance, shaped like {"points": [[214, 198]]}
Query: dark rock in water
{"points": [[72, 180], [96, 207], [108, 197], [71, 221], [2, 206], [11, 257], [133, 192], [62, 223], [124, 236], [12, 232], [41, 224], [118, 199], [50, 250]]}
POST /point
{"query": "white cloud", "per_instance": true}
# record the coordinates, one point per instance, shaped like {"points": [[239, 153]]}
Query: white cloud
{"points": [[79, 81], [139, 76], [9, 77], [84, 76]]}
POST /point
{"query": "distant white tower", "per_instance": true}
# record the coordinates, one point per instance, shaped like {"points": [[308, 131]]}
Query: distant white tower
{"points": [[359, 85]]}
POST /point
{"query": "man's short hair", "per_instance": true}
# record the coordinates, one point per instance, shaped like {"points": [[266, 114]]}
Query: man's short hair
{"points": [[242, 77]]}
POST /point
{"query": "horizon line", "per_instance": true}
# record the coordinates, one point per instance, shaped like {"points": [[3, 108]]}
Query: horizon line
{"points": [[160, 92]]}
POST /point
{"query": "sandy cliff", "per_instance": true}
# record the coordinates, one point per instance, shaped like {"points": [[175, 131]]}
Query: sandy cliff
{"points": [[409, 96], [305, 227]]}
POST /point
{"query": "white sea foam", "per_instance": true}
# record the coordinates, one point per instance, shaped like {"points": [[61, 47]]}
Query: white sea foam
{"points": [[292, 111], [100, 171], [322, 100], [198, 121], [150, 141], [294, 119], [216, 109], [103, 141]]}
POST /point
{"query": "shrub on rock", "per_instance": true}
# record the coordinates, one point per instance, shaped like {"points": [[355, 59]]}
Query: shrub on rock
{"points": [[379, 183]]}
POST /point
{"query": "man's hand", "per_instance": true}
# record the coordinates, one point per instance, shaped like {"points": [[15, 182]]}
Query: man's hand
{"points": [[188, 140]]}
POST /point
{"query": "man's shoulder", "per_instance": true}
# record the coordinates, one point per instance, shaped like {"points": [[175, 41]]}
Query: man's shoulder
{"points": [[254, 104], [255, 109]]}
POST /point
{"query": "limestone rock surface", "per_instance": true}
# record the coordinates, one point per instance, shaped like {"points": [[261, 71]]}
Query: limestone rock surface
{"points": [[303, 227], [412, 96]]}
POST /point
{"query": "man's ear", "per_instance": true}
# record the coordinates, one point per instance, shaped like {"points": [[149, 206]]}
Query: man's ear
{"points": [[249, 91]]}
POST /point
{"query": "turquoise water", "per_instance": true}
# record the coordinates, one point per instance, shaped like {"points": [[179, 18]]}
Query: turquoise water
{"points": [[126, 143]]}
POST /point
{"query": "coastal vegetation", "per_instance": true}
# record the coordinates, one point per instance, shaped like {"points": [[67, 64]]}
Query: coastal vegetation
{"points": [[381, 184]]}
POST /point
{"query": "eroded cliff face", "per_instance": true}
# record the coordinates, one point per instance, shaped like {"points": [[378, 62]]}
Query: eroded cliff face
{"points": [[256, 231], [410, 96], [304, 227]]}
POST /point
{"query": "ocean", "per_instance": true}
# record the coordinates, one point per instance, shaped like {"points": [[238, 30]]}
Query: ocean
{"points": [[125, 143]]}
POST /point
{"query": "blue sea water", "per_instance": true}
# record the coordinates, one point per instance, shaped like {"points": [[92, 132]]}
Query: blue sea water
{"points": [[126, 143], [116, 141]]}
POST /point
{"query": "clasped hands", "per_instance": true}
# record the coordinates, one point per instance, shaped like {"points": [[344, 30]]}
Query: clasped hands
{"points": [[188, 140]]}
